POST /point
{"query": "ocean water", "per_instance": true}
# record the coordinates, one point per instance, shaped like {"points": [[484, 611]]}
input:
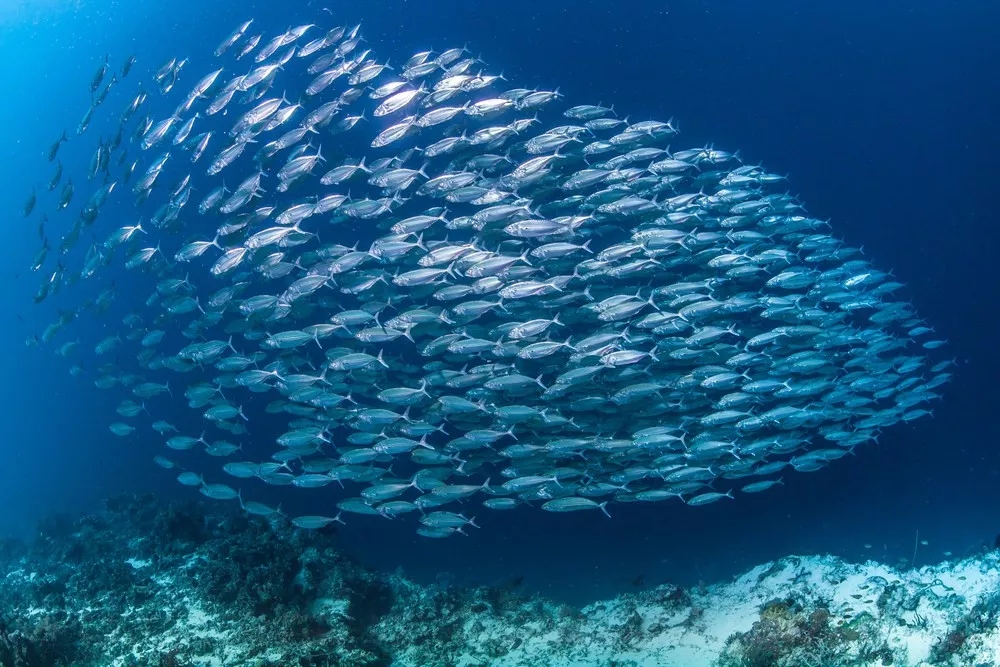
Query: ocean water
{"points": [[883, 116]]}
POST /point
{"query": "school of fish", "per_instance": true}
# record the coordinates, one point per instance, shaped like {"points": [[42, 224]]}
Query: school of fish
{"points": [[456, 294]]}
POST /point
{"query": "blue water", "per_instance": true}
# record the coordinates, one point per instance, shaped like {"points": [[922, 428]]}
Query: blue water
{"points": [[883, 114]]}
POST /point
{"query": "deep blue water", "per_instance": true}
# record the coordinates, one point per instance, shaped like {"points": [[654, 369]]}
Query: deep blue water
{"points": [[883, 115]]}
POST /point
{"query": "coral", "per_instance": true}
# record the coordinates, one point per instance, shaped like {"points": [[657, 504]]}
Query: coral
{"points": [[793, 632], [982, 618], [143, 583], [50, 642], [252, 575]]}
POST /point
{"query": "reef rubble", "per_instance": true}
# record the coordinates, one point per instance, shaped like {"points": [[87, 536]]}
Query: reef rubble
{"points": [[147, 583]]}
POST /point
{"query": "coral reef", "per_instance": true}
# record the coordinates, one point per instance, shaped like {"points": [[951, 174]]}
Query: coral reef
{"points": [[148, 584]]}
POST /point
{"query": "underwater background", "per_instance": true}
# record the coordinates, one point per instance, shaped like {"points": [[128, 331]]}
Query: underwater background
{"points": [[884, 117]]}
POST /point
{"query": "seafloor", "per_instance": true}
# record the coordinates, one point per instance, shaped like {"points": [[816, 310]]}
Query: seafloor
{"points": [[149, 584]]}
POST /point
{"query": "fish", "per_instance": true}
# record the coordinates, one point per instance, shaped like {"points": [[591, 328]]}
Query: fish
{"points": [[54, 181], [313, 522], [128, 65], [161, 427], [763, 485], [121, 429], [54, 148], [95, 81], [574, 504], [164, 462], [29, 205], [233, 37], [86, 120], [574, 304]]}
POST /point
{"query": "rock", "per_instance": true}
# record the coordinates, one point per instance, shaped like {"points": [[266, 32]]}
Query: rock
{"points": [[149, 583]]}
